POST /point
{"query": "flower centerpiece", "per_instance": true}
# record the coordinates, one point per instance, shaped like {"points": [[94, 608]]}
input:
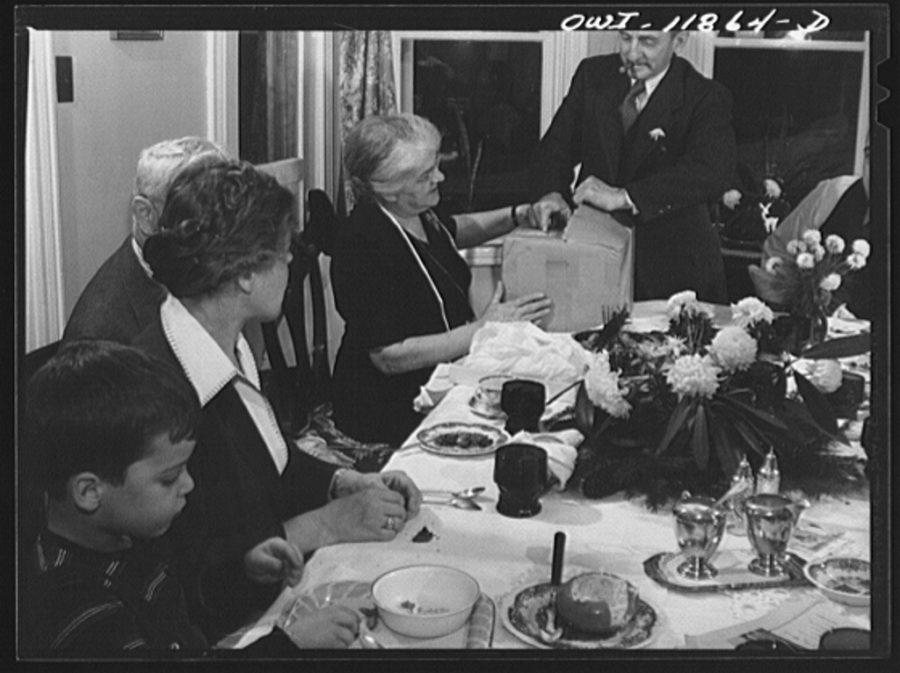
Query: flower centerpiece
{"points": [[667, 411], [803, 277]]}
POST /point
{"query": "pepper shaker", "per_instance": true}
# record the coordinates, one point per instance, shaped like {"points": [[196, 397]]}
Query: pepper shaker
{"points": [[743, 479], [768, 479]]}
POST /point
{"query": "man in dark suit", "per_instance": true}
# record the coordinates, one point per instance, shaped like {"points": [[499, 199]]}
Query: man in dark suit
{"points": [[659, 174], [122, 298]]}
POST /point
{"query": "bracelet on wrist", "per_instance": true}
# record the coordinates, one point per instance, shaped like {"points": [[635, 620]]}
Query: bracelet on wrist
{"points": [[512, 215]]}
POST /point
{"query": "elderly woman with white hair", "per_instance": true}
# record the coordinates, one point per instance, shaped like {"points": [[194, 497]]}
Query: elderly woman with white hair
{"points": [[399, 282]]}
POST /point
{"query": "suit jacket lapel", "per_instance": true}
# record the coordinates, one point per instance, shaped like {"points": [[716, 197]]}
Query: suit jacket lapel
{"points": [[144, 294], [666, 99]]}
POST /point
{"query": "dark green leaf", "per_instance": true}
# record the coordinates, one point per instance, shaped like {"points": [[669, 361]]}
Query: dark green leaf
{"points": [[818, 406], [755, 415], [676, 420], [842, 347], [700, 439], [724, 445]]}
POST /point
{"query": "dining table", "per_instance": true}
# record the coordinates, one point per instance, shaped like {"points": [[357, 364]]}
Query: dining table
{"points": [[616, 534]]}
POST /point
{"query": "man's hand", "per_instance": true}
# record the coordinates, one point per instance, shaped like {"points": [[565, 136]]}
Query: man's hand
{"points": [[601, 195], [393, 480], [274, 560], [543, 209]]}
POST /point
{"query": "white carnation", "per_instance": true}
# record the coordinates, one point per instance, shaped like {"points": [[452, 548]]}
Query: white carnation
{"points": [[862, 247], [831, 282], [805, 260], [812, 237], [772, 264], [856, 260], [834, 244]]}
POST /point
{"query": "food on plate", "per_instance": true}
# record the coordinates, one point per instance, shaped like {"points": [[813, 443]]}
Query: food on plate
{"points": [[597, 603], [464, 440]]}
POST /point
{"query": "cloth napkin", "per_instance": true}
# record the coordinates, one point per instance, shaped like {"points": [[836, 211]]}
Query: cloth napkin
{"points": [[434, 390], [561, 452]]}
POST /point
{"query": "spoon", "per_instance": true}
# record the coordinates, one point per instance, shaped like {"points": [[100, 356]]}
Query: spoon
{"points": [[459, 503], [368, 641], [467, 494]]}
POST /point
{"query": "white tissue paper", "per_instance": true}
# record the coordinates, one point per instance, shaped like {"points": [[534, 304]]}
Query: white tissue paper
{"points": [[524, 350], [561, 448]]}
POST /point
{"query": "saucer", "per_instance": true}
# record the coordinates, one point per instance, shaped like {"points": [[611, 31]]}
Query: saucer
{"points": [[485, 411], [526, 612]]}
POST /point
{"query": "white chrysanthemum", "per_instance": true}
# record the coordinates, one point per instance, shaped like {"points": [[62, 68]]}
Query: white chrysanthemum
{"points": [[825, 375], [831, 282], [805, 260], [733, 349], [856, 260], [693, 375], [750, 310], [772, 264], [862, 247], [834, 244], [812, 237], [602, 387]]}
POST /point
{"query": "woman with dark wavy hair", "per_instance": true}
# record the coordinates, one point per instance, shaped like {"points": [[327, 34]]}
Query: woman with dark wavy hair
{"points": [[222, 251]]}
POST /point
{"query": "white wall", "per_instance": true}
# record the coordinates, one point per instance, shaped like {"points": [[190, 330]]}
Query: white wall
{"points": [[128, 95]]}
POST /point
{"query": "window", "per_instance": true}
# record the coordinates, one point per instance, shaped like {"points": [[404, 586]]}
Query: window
{"points": [[485, 98], [800, 106]]}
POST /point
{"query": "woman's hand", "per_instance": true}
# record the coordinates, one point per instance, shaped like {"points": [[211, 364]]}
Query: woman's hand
{"points": [[530, 307], [330, 627], [274, 560], [352, 481], [369, 515]]}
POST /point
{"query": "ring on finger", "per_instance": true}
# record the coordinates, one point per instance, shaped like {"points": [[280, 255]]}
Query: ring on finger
{"points": [[390, 523]]}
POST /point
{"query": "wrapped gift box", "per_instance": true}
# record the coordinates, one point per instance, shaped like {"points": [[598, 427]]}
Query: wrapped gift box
{"points": [[584, 268]]}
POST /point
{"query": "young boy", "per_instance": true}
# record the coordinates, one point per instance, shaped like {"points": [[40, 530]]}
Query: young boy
{"points": [[109, 434]]}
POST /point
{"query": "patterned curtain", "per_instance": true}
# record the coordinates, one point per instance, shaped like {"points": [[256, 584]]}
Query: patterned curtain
{"points": [[367, 85]]}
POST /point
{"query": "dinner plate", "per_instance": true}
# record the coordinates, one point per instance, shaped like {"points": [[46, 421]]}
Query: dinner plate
{"points": [[525, 614], [461, 439]]}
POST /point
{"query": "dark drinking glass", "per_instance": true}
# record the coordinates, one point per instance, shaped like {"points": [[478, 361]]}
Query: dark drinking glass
{"points": [[520, 471], [523, 403]]}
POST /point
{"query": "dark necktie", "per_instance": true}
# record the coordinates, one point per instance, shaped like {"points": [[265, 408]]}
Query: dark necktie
{"points": [[628, 108]]}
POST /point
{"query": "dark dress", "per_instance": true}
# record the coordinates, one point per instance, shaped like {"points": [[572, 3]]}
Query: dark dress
{"points": [[384, 297], [239, 500]]}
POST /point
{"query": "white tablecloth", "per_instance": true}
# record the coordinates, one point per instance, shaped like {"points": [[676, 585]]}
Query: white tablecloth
{"points": [[614, 534]]}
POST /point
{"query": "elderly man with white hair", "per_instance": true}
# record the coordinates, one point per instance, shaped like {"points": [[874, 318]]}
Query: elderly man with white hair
{"points": [[122, 298]]}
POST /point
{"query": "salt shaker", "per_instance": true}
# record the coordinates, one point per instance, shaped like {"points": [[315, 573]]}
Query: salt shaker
{"points": [[768, 479], [743, 479]]}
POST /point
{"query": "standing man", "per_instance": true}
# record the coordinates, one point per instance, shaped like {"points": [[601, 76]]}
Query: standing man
{"points": [[122, 298], [656, 145]]}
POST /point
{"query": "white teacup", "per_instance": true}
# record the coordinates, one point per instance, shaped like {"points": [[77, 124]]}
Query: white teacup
{"points": [[487, 394]]}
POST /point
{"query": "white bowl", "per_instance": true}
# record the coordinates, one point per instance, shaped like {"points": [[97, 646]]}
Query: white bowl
{"points": [[425, 601], [843, 579]]}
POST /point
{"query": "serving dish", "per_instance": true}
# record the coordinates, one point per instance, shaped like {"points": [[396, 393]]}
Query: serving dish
{"points": [[843, 579], [733, 574], [530, 615], [461, 439]]}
